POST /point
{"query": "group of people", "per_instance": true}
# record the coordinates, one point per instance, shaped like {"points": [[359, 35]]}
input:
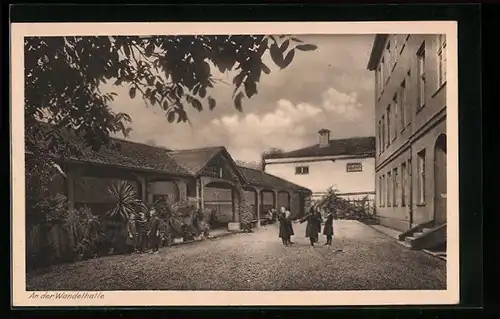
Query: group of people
{"points": [[314, 220], [144, 233]]}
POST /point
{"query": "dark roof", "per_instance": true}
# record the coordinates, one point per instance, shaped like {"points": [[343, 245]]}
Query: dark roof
{"points": [[194, 160], [377, 49], [259, 178], [357, 146], [136, 155], [122, 153]]}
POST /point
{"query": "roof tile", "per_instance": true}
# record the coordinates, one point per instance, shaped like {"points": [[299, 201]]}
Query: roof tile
{"points": [[351, 146]]}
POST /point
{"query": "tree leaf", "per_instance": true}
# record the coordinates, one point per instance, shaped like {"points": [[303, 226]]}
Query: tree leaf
{"points": [[306, 47], [197, 104], [276, 54], [264, 68], [211, 103], [237, 80], [149, 49], [284, 46], [297, 40], [288, 59], [237, 101], [203, 92], [171, 117], [132, 92], [126, 49], [250, 88]]}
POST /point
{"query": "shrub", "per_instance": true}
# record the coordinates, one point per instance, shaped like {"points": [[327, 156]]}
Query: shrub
{"points": [[345, 209]]}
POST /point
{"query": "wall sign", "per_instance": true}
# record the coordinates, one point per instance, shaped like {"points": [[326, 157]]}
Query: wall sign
{"points": [[354, 167]]}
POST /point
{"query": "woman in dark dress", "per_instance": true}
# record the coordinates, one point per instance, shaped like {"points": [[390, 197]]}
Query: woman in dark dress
{"points": [[289, 223], [319, 219], [132, 238], [312, 225], [284, 229], [328, 229], [154, 231]]}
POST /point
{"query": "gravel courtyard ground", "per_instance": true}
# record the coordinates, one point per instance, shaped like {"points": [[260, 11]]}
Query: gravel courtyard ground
{"points": [[360, 259]]}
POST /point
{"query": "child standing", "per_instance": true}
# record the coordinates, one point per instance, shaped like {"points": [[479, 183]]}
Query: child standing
{"points": [[328, 229]]}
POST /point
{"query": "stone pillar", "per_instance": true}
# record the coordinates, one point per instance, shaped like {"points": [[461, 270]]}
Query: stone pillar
{"points": [[276, 204], [144, 188], [198, 195], [202, 187], [235, 224], [257, 205]]}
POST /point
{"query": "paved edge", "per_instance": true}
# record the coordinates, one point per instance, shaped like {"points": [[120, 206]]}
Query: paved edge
{"points": [[201, 240], [393, 234]]}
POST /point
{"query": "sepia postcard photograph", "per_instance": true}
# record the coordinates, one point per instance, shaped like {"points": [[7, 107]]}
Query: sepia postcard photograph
{"points": [[234, 164]]}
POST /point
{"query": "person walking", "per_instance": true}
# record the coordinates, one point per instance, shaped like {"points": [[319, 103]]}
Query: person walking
{"points": [[132, 238], [289, 224], [284, 231], [319, 220], [154, 231], [312, 225], [142, 229], [328, 229]]}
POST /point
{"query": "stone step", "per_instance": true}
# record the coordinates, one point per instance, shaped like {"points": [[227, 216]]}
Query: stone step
{"points": [[409, 239], [404, 243]]}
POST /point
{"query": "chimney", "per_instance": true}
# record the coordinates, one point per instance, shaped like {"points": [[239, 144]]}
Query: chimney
{"points": [[324, 137]]}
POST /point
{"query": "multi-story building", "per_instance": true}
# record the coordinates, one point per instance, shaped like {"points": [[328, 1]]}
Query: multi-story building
{"points": [[347, 165], [410, 110]]}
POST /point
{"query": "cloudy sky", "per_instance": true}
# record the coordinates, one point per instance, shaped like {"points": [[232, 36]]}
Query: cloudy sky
{"points": [[327, 88]]}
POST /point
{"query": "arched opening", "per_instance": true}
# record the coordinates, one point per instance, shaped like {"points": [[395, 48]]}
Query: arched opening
{"points": [[440, 180], [268, 201], [220, 197], [163, 190], [284, 200], [251, 198]]}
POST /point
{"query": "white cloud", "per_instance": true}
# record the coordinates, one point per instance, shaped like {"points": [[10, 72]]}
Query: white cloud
{"points": [[288, 126], [342, 104]]}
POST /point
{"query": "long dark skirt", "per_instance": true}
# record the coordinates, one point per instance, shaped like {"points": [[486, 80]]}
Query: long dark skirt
{"points": [[290, 227]]}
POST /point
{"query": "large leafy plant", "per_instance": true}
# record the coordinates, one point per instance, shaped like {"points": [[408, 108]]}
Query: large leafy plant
{"points": [[126, 201]]}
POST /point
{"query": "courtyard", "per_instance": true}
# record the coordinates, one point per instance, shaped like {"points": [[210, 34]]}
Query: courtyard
{"points": [[360, 259]]}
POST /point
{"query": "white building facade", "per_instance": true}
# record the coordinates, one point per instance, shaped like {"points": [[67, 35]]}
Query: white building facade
{"points": [[346, 165]]}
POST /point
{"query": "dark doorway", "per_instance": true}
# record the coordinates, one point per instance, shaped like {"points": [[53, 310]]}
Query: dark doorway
{"points": [[440, 180]]}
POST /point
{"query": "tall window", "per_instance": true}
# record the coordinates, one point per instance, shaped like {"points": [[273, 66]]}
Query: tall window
{"points": [[383, 132], [383, 190], [395, 187], [382, 73], [421, 75], [396, 103], [409, 182], [441, 60], [404, 183], [389, 129], [421, 178], [408, 102], [379, 137], [389, 189], [379, 80], [402, 105], [379, 197]]}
